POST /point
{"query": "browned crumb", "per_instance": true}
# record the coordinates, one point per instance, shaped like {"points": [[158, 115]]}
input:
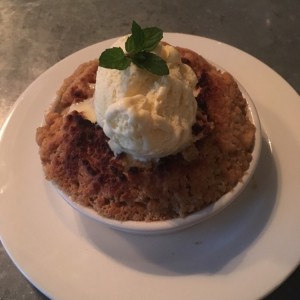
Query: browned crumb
{"points": [[79, 86]]}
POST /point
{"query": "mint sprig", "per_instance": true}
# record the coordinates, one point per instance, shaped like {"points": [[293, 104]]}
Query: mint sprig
{"points": [[138, 48]]}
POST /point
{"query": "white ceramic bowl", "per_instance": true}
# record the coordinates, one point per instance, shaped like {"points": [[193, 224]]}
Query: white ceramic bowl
{"points": [[159, 227]]}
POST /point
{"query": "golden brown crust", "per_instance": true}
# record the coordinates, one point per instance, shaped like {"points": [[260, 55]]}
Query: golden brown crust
{"points": [[195, 61], [76, 157], [79, 85]]}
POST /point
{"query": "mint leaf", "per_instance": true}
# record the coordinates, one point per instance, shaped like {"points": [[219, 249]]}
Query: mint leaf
{"points": [[151, 62], [153, 35], [129, 44], [114, 58], [137, 36]]}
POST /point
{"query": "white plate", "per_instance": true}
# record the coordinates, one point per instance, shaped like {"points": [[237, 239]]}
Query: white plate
{"points": [[242, 253]]}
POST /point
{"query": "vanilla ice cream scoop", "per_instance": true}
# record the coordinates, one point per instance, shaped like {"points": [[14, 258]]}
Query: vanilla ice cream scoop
{"points": [[145, 115]]}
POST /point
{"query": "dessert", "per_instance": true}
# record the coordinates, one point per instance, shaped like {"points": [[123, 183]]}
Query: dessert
{"points": [[141, 147]]}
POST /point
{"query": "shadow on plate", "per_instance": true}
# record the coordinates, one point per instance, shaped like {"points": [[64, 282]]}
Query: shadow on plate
{"points": [[215, 245]]}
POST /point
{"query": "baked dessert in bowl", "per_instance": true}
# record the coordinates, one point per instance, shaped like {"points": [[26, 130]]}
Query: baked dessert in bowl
{"points": [[150, 153]]}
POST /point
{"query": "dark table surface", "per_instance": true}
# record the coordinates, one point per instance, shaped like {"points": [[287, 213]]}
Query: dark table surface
{"points": [[37, 34]]}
